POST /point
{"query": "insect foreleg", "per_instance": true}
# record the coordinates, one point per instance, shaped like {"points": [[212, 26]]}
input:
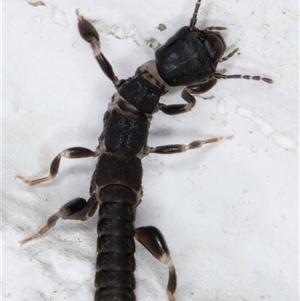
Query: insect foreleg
{"points": [[179, 108], [202, 88]]}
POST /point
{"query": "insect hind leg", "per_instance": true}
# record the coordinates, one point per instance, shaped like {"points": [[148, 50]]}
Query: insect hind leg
{"points": [[76, 209], [153, 240]]}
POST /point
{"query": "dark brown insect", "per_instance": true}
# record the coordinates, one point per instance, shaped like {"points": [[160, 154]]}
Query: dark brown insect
{"points": [[189, 59]]}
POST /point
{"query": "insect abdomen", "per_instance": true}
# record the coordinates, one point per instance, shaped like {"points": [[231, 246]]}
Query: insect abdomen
{"points": [[115, 263]]}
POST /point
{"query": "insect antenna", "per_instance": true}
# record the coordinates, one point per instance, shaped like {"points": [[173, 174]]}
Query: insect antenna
{"points": [[194, 19], [257, 77]]}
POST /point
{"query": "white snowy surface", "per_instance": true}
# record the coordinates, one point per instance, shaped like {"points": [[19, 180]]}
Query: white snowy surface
{"points": [[229, 211]]}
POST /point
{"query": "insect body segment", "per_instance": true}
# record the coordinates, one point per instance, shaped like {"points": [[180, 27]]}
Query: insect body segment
{"points": [[188, 59]]}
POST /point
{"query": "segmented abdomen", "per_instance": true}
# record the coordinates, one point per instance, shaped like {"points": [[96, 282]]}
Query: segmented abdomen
{"points": [[115, 263], [120, 180]]}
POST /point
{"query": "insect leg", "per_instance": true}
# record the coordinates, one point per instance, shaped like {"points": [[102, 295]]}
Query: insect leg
{"points": [[70, 153], [153, 240], [179, 108], [180, 148], [202, 88], [89, 33], [77, 209]]}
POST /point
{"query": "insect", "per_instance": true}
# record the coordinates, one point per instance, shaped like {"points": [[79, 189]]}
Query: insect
{"points": [[189, 59]]}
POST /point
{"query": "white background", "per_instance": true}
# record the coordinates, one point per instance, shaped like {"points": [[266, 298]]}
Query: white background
{"points": [[229, 211]]}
